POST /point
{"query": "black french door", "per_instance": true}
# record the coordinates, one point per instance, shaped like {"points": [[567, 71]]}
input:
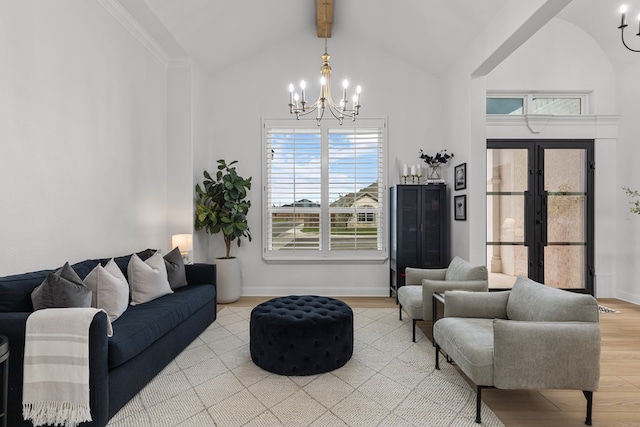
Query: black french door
{"points": [[540, 211]]}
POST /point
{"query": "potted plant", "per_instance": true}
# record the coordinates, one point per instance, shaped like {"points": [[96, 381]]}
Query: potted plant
{"points": [[222, 207], [634, 203]]}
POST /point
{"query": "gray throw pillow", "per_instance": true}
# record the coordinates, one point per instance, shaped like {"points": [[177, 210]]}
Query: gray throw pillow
{"points": [[61, 289], [175, 269]]}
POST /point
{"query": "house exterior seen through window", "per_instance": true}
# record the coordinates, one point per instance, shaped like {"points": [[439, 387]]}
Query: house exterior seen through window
{"points": [[324, 190]]}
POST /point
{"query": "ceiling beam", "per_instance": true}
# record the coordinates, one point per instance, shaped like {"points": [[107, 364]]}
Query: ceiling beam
{"points": [[324, 18]]}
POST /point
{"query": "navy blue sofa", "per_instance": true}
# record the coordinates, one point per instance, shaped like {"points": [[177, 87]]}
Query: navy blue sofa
{"points": [[145, 338]]}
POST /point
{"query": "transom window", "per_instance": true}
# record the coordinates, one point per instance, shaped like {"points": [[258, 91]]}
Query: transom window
{"points": [[537, 103], [324, 190]]}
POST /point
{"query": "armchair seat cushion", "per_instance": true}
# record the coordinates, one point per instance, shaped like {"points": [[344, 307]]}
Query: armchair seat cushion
{"points": [[469, 341]]}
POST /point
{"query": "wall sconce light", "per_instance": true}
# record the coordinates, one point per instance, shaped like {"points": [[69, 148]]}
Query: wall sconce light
{"points": [[184, 242]]}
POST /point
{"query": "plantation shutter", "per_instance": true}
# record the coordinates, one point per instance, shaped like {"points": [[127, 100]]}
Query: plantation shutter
{"points": [[355, 162], [294, 188]]}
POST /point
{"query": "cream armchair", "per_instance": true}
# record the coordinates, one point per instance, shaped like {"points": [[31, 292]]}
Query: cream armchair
{"points": [[420, 284]]}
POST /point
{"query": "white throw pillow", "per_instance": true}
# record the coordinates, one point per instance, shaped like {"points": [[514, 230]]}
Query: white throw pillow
{"points": [[147, 279], [110, 289]]}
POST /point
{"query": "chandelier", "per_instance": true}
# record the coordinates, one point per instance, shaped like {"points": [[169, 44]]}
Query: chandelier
{"points": [[623, 25], [299, 106]]}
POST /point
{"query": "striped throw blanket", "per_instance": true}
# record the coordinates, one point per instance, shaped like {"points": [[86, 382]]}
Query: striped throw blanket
{"points": [[56, 366]]}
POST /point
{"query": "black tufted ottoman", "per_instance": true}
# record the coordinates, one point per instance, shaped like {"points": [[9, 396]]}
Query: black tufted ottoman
{"points": [[301, 335]]}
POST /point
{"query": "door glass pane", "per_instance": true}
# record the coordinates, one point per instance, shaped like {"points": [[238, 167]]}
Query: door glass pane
{"points": [[564, 266], [507, 257], [565, 183], [566, 218]]}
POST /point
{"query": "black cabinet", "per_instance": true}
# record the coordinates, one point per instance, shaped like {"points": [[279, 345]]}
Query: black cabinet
{"points": [[418, 230]]}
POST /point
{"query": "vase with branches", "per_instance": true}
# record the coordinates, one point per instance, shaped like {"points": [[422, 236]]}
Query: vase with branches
{"points": [[435, 162]]}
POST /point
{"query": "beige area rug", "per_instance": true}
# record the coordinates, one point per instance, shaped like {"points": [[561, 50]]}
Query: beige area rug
{"points": [[389, 381]]}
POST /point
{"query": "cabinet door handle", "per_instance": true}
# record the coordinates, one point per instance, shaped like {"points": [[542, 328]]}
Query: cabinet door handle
{"points": [[421, 228]]}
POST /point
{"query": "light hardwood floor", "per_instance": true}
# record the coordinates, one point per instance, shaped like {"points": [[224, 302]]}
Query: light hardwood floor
{"points": [[616, 403]]}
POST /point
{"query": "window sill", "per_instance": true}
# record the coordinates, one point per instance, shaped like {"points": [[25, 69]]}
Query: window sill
{"points": [[325, 260]]}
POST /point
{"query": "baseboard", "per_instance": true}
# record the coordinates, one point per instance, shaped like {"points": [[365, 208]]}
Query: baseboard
{"points": [[628, 297], [251, 291]]}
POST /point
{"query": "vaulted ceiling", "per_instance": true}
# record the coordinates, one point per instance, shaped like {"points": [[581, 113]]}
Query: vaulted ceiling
{"points": [[428, 33]]}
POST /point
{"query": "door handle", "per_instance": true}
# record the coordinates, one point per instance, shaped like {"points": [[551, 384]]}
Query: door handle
{"points": [[543, 220], [528, 229]]}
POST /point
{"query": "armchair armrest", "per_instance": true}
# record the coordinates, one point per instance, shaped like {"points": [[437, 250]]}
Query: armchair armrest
{"points": [[431, 286], [414, 276], [538, 355], [201, 274], [484, 305]]}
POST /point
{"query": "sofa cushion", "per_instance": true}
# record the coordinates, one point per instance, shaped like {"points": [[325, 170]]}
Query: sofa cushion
{"points": [[460, 269], [61, 289], [110, 289], [83, 268], [147, 279], [469, 342], [532, 301], [15, 291], [143, 324]]}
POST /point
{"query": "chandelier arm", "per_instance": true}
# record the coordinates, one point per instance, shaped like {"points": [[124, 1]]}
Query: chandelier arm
{"points": [[622, 27], [307, 110]]}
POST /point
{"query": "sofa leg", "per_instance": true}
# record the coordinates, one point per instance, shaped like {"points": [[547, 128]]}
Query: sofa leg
{"points": [[478, 403], [414, 330], [437, 355], [589, 396], [400, 311]]}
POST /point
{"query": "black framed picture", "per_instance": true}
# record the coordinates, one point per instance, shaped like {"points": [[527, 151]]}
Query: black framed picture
{"points": [[460, 174], [460, 207]]}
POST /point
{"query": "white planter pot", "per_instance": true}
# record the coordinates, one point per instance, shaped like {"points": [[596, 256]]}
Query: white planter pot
{"points": [[228, 282]]}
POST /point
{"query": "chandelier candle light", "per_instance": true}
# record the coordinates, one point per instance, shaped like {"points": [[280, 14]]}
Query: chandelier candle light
{"points": [[623, 25]]}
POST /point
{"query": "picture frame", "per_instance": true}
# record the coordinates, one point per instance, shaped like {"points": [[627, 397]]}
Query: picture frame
{"points": [[460, 176], [460, 207]]}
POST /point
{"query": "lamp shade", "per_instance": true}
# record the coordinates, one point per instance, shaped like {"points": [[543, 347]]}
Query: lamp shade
{"points": [[183, 241]]}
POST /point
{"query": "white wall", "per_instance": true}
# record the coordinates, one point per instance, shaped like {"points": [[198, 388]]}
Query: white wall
{"points": [[627, 236], [560, 57], [83, 149], [464, 105], [245, 92]]}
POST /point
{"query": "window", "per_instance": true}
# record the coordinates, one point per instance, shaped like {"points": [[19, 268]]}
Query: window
{"points": [[536, 103], [324, 190]]}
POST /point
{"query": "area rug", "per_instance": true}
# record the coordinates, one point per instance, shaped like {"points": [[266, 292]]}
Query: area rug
{"points": [[607, 310], [389, 381]]}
